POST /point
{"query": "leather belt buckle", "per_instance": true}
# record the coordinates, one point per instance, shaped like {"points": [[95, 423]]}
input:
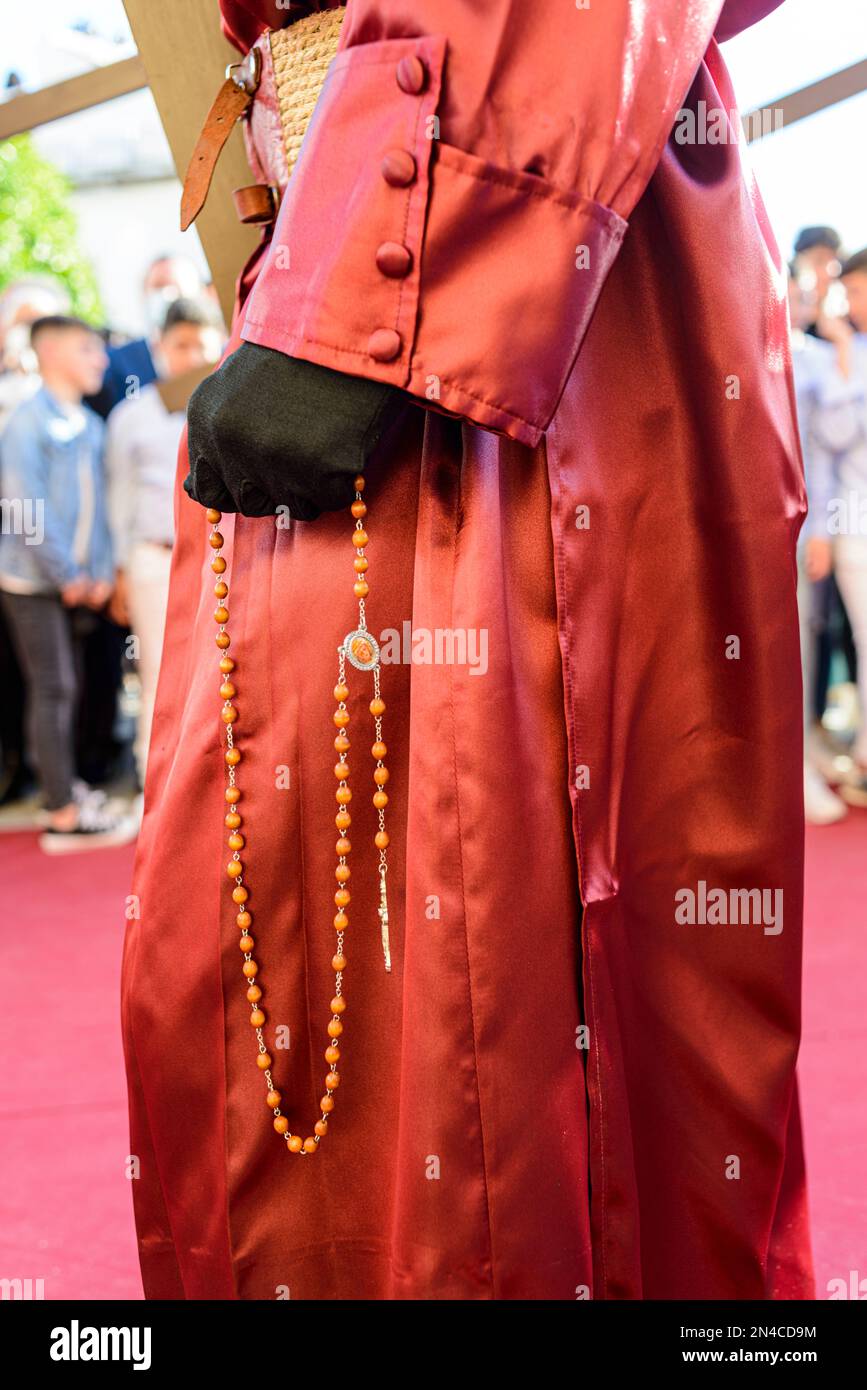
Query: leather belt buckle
{"points": [[247, 73]]}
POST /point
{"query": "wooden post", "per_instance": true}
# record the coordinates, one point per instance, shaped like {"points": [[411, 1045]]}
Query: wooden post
{"points": [[185, 57]]}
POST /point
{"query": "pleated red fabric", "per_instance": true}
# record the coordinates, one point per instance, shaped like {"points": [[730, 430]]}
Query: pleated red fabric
{"points": [[562, 1089]]}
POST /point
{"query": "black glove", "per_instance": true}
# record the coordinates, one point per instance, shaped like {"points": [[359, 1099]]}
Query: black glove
{"points": [[267, 430]]}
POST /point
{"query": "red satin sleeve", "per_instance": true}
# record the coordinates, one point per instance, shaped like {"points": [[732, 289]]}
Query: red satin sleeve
{"points": [[464, 189]]}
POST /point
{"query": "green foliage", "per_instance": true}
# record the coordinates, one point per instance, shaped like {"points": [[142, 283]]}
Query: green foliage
{"points": [[38, 230]]}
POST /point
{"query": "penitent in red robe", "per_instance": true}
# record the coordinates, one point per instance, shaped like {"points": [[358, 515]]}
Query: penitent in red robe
{"points": [[608, 487]]}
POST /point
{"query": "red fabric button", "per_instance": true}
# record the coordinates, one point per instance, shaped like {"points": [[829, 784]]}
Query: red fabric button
{"points": [[393, 259], [411, 74], [398, 168], [384, 344]]}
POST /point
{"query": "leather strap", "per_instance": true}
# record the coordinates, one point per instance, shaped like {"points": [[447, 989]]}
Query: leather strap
{"points": [[231, 102], [256, 202]]}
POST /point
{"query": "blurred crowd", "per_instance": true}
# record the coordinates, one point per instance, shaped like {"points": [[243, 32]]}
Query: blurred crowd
{"points": [[89, 433]]}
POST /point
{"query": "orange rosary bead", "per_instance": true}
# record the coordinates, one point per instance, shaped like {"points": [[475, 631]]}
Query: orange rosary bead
{"points": [[295, 1143], [310, 1145], [281, 1124], [246, 943], [257, 1018]]}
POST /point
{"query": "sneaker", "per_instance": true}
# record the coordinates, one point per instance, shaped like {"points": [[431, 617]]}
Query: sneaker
{"points": [[97, 828], [83, 794], [854, 791], [821, 805], [831, 758]]}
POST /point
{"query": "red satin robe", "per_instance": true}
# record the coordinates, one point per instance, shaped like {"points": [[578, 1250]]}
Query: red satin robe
{"points": [[607, 483]]}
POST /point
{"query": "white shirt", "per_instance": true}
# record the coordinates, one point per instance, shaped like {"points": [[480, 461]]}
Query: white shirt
{"points": [[141, 461]]}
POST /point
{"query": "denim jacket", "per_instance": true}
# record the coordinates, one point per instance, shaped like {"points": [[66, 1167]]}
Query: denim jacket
{"points": [[41, 453]]}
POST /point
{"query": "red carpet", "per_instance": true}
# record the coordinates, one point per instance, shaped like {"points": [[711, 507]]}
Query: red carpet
{"points": [[65, 1204], [832, 1051]]}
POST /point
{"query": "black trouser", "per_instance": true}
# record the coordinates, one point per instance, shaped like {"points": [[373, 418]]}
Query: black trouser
{"points": [[12, 744], [40, 627]]}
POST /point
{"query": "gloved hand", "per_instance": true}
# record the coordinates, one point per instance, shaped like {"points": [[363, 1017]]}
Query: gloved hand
{"points": [[266, 430]]}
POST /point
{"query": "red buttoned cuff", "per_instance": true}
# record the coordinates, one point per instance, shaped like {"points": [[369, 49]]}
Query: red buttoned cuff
{"points": [[406, 260]]}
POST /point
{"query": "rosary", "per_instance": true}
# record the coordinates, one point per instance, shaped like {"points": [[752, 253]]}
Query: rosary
{"points": [[361, 650]]}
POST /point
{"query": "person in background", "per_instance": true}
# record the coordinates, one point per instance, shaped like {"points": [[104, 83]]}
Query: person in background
{"points": [[817, 268], [813, 366], [141, 460], [136, 364], [817, 254], [840, 428], [55, 558], [131, 366], [21, 303]]}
